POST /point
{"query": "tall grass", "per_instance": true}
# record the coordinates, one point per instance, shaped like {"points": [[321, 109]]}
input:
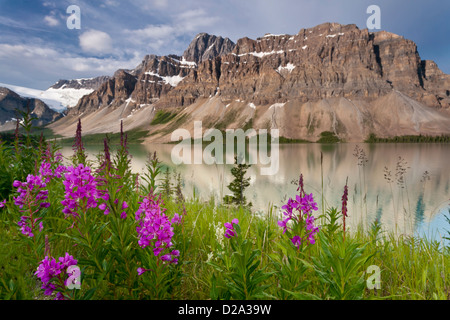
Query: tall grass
{"points": [[261, 262], [411, 268]]}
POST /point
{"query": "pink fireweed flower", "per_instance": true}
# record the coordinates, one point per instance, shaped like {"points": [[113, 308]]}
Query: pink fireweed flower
{"points": [[284, 224], [311, 235], [344, 201], [53, 274], [81, 192], [307, 203], [30, 200], [45, 170], [176, 219], [230, 232], [51, 166], [297, 241], [25, 227], [3, 204], [32, 189], [141, 271], [291, 205], [300, 185], [155, 229], [344, 206], [123, 215], [300, 213]]}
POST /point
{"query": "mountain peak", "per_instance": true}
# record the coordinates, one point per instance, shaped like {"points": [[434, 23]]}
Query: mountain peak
{"points": [[207, 47]]}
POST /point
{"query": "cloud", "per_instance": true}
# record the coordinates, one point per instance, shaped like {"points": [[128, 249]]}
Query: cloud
{"points": [[151, 32], [109, 3], [51, 21], [118, 34], [40, 62], [95, 41], [194, 20], [48, 4], [160, 3], [152, 5], [165, 36]]}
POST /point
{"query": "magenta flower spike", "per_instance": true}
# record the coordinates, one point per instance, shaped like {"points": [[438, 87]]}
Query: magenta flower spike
{"points": [[155, 229], [30, 200], [344, 206], [81, 191], [300, 212], [51, 272], [230, 232]]}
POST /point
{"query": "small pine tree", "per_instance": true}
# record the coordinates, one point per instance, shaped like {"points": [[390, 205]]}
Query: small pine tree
{"points": [[238, 185]]}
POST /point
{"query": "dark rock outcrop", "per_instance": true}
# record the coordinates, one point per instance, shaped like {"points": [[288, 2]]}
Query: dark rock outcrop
{"points": [[92, 83], [11, 104]]}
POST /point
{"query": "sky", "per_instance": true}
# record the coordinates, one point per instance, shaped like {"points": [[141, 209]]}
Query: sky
{"points": [[37, 48]]}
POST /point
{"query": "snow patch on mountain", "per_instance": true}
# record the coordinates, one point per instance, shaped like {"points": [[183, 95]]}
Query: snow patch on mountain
{"points": [[277, 105], [289, 67], [68, 97], [260, 54], [56, 99], [172, 80]]}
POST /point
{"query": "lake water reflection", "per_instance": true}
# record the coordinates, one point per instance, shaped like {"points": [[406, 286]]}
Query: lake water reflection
{"points": [[417, 205]]}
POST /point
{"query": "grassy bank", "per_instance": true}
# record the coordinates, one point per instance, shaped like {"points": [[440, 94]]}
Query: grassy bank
{"points": [[90, 215], [411, 268], [133, 137], [408, 139]]}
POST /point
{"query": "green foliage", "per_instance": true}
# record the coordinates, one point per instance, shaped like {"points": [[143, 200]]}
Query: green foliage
{"points": [[328, 137], [372, 138], [154, 168], [19, 154], [447, 217], [331, 228], [166, 185], [134, 136], [248, 125], [162, 117], [291, 272], [340, 268], [6, 170], [240, 267], [284, 140], [259, 263]]}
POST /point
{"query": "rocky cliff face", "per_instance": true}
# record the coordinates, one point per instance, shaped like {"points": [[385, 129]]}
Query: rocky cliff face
{"points": [[207, 47], [11, 103], [303, 84], [327, 61], [91, 83]]}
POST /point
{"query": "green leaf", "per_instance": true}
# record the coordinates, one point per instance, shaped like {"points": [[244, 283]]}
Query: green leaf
{"points": [[302, 295], [89, 294], [214, 294]]}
